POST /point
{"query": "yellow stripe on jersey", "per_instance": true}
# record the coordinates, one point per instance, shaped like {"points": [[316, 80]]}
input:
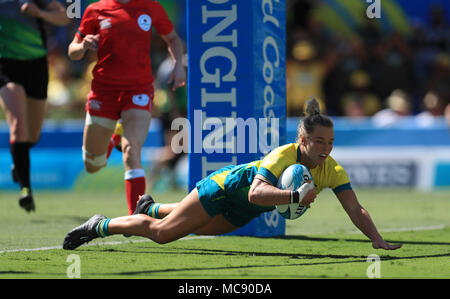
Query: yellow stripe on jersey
{"points": [[330, 175], [221, 176], [220, 179]]}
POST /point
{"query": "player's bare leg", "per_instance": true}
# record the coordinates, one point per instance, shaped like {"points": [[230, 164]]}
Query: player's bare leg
{"points": [[95, 145], [13, 100], [165, 209], [214, 226], [25, 116], [217, 226], [35, 114], [135, 124], [189, 216]]}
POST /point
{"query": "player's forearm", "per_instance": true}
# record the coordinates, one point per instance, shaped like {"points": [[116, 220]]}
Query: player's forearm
{"points": [[361, 219], [56, 17], [264, 194], [176, 48], [359, 216], [76, 51]]}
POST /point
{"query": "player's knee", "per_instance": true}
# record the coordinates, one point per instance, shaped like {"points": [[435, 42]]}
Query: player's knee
{"points": [[131, 154], [131, 147], [161, 235], [91, 169], [16, 89], [34, 138], [153, 230], [161, 238], [93, 163], [18, 129]]}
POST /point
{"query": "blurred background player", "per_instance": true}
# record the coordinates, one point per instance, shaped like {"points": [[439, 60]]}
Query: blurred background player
{"points": [[169, 104], [24, 79], [122, 87]]}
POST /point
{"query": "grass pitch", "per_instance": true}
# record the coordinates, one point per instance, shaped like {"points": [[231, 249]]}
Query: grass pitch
{"points": [[323, 243]]}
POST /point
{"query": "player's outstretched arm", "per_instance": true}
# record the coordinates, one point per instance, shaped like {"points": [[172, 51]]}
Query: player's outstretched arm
{"points": [[54, 13], [361, 219]]}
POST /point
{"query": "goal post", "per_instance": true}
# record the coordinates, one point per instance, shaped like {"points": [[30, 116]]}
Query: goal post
{"points": [[236, 89]]}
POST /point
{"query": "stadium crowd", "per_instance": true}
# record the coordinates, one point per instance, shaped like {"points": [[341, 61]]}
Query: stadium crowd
{"points": [[371, 73]]}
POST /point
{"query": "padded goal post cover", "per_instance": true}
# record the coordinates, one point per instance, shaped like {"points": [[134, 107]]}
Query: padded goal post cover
{"points": [[236, 88]]}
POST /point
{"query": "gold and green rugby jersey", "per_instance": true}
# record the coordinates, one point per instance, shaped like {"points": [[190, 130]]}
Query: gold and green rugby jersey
{"points": [[226, 190], [21, 36], [328, 175]]}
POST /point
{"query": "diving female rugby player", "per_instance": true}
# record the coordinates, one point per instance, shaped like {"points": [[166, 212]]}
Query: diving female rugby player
{"points": [[232, 196]]}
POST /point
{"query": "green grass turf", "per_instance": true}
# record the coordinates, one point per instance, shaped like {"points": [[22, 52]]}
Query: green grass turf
{"points": [[323, 243]]}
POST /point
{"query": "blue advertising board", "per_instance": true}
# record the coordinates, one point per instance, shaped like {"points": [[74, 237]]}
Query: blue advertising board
{"points": [[236, 83]]}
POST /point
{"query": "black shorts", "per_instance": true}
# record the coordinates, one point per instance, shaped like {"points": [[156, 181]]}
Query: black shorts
{"points": [[31, 74]]}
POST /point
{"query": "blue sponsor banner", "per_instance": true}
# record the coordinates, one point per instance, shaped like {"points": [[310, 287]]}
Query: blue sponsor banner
{"points": [[51, 169], [270, 224], [405, 132], [236, 83], [56, 160], [442, 174]]}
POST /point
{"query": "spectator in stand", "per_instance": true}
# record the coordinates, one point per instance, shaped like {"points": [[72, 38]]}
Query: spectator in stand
{"points": [[360, 100], [350, 57], [434, 107], [305, 73], [447, 114], [398, 106]]}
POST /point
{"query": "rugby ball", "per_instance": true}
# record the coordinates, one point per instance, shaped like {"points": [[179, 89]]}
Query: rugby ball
{"points": [[291, 179]]}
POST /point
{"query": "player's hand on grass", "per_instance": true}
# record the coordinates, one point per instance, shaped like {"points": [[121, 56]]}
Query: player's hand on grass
{"points": [[385, 245]]}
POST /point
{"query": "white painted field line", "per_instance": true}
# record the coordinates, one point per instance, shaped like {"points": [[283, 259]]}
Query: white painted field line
{"points": [[388, 230], [418, 228], [98, 244], [30, 249], [400, 229]]}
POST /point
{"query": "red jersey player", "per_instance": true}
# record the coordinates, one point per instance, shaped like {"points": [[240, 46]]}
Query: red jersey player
{"points": [[122, 86]]}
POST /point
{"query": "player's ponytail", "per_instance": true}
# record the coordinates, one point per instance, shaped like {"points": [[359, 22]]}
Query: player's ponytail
{"points": [[312, 118], [312, 107]]}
